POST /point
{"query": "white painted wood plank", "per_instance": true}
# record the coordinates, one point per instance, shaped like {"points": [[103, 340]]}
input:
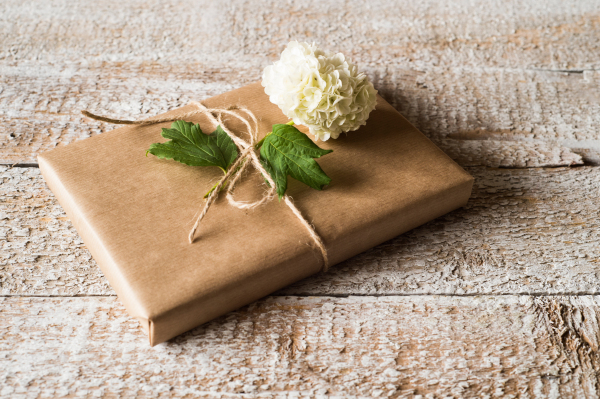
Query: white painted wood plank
{"points": [[509, 154], [555, 34], [517, 118], [482, 80], [523, 231], [495, 75], [304, 347]]}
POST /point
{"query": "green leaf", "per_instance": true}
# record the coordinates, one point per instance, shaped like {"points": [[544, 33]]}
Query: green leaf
{"points": [[288, 151], [190, 146]]}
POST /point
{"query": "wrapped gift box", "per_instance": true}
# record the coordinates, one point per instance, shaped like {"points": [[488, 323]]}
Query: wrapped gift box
{"points": [[134, 212]]}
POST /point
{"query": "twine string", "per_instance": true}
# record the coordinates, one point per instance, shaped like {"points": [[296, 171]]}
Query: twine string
{"points": [[248, 156]]}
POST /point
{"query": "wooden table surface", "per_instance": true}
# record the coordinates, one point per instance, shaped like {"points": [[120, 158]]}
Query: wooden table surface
{"points": [[498, 299]]}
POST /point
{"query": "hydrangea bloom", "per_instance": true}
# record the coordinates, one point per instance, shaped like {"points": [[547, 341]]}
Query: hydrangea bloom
{"points": [[322, 91]]}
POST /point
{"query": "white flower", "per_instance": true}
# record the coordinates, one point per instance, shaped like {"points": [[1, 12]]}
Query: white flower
{"points": [[320, 90]]}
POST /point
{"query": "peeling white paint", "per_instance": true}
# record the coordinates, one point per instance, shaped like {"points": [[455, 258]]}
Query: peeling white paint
{"points": [[485, 81], [524, 231], [304, 347]]}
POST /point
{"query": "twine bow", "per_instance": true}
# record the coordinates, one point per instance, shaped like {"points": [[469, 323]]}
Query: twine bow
{"points": [[248, 155]]}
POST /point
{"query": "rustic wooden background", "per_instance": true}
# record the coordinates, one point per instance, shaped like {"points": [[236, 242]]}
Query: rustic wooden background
{"points": [[499, 299]]}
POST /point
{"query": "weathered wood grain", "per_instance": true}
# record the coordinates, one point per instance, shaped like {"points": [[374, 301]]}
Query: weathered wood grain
{"points": [[517, 118], [495, 75], [396, 347], [511, 84], [555, 34], [510, 154], [40, 251], [523, 231]]}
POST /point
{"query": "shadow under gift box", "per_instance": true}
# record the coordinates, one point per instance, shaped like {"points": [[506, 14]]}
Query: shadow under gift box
{"points": [[134, 212]]}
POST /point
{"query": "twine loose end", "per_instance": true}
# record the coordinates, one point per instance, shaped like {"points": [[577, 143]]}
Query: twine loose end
{"points": [[247, 152]]}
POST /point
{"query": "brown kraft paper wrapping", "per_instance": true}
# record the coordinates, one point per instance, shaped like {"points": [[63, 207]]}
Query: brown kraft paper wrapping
{"points": [[134, 212]]}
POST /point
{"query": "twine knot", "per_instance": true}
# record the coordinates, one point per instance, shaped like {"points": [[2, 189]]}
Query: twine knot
{"points": [[248, 155]]}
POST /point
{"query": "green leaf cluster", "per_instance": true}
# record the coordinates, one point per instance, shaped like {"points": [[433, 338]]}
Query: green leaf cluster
{"points": [[190, 146], [285, 151], [288, 151]]}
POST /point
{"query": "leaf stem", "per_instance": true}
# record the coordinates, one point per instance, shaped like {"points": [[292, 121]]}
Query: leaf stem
{"points": [[215, 186], [224, 183], [257, 146], [260, 143]]}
